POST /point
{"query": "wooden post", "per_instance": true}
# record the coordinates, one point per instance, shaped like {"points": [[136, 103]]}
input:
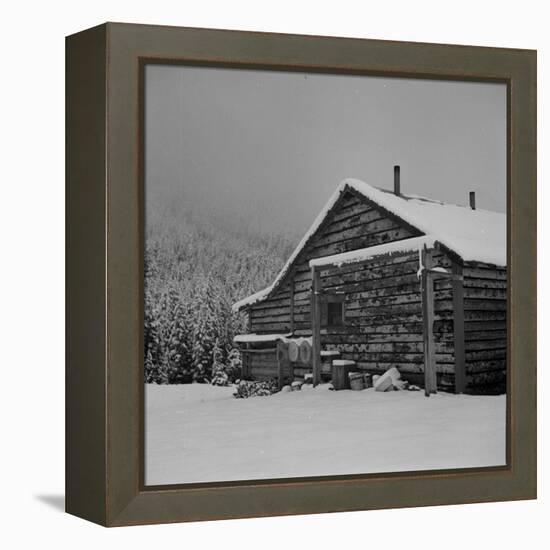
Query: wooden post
{"points": [[316, 325], [246, 362], [458, 327], [280, 365], [292, 303], [430, 376], [473, 200]]}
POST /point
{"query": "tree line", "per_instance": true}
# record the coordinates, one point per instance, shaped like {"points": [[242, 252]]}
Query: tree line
{"points": [[195, 269]]}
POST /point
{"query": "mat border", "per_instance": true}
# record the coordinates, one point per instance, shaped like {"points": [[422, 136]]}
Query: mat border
{"points": [[105, 168]]}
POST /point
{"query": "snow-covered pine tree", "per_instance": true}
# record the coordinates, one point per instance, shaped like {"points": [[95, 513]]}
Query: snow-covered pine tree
{"points": [[200, 356], [234, 364], [219, 375]]}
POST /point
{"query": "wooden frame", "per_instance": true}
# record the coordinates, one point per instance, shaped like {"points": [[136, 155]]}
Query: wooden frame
{"points": [[104, 426]]}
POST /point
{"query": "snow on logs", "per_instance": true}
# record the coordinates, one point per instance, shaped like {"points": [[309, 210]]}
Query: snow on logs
{"points": [[389, 381]]}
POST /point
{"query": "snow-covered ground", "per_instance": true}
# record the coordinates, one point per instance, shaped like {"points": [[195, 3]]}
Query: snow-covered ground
{"points": [[200, 433]]}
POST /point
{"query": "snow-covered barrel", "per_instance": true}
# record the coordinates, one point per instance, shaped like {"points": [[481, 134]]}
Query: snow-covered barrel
{"points": [[293, 351], [305, 352], [282, 351]]}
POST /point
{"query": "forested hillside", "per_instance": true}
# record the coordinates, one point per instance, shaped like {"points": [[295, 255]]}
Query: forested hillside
{"points": [[195, 269]]}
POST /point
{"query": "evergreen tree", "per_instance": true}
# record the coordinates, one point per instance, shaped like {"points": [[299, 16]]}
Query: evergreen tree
{"points": [[219, 374], [234, 364], [194, 272]]}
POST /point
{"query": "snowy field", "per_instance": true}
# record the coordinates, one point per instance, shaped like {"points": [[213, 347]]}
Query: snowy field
{"points": [[200, 433]]}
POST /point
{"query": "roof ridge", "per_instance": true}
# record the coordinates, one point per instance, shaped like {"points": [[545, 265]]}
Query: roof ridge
{"points": [[487, 245]]}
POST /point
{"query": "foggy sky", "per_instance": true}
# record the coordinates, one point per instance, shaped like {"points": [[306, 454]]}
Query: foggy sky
{"points": [[271, 147]]}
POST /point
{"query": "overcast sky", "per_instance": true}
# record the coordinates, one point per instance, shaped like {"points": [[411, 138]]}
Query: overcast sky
{"points": [[272, 146]]}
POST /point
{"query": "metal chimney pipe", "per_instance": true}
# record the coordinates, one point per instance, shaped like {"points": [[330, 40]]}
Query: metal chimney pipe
{"points": [[397, 180], [473, 200]]}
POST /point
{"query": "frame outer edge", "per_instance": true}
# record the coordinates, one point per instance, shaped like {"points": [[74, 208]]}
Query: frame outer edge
{"points": [[85, 223], [128, 503]]}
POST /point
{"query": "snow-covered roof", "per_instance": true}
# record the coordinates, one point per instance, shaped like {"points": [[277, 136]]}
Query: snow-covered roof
{"points": [[261, 338], [361, 254], [473, 235], [258, 338]]}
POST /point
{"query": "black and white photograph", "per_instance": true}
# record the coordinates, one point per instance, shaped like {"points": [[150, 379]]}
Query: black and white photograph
{"points": [[274, 275], [325, 274]]}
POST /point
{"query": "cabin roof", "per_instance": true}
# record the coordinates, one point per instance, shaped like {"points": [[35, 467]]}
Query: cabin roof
{"points": [[363, 254], [259, 338], [473, 235]]}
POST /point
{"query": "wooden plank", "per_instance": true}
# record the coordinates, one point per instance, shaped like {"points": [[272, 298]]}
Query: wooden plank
{"points": [[390, 357], [349, 220], [261, 366], [482, 273], [386, 301], [386, 317], [404, 310], [487, 335], [490, 354], [470, 316], [277, 300], [459, 338], [481, 345], [270, 313], [267, 328], [389, 327], [485, 293], [270, 305], [371, 239], [354, 338], [484, 305], [292, 303], [430, 381], [486, 366], [316, 326], [392, 347], [349, 211], [376, 226], [397, 287], [264, 351], [485, 283], [259, 362]]}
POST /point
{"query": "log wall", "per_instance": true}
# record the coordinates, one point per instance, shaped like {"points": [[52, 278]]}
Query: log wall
{"points": [[384, 318], [485, 301]]}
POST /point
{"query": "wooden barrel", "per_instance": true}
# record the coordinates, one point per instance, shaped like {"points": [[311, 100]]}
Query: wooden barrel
{"points": [[340, 374], [293, 352], [305, 352], [356, 381]]}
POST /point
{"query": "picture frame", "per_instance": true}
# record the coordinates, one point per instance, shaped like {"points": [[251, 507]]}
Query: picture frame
{"points": [[104, 267]]}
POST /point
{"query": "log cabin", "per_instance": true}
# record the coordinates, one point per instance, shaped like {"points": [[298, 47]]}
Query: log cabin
{"points": [[389, 280]]}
